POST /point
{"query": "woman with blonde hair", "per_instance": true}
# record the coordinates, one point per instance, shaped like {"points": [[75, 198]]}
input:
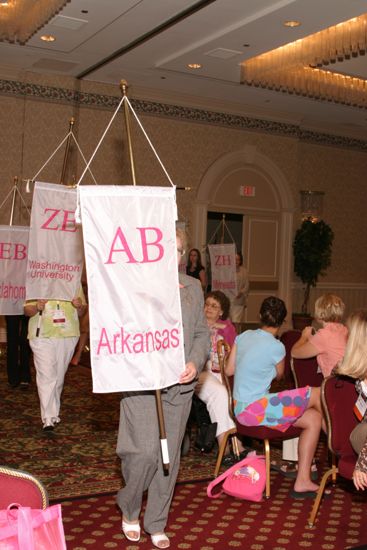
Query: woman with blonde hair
{"points": [[355, 365], [328, 344]]}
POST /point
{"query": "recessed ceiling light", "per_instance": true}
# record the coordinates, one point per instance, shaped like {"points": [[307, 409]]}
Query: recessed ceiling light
{"points": [[292, 23], [194, 66], [48, 38]]}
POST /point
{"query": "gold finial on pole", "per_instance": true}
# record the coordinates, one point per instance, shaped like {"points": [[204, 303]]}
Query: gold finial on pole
{"points": [[15, 189], [64, 164], [124, 87]]}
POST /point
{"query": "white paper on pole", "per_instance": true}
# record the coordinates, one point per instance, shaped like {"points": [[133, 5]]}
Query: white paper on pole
{"points": [[55, 251], [223, 268], [13, 266], [136, 332]]}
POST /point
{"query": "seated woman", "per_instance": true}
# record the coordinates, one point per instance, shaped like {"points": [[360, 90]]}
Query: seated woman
{"points": [[328, 344], [257, 357], [355, 365], [209, 387]]}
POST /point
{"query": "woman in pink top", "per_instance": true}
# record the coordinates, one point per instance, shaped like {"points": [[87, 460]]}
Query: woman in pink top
{"points": [[328, 344]]}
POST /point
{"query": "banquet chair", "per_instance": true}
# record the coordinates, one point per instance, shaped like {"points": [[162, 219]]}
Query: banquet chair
{"points": [[338, 396], [288, 339], [21, 488], [305, 372], [261, 433]]}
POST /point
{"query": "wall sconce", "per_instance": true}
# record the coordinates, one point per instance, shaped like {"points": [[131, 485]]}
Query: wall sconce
{"points": [[311, 205]]}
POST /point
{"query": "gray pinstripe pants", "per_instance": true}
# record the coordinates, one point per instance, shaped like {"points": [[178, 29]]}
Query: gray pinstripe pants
{"points": [[138, 447]]}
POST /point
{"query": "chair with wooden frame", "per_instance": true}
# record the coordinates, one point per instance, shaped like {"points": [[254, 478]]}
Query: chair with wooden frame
{"points": [[288, 339], [338, 396], [21, 488], [261, 433]]}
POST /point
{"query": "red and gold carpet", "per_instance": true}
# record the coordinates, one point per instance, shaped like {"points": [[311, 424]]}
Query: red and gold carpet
{"points": [[199, 523], [79, 457]]}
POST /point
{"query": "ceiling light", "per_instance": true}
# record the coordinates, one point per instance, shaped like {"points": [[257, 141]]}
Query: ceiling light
{"points": [[292, 23], [194, 66], [47, 38], [298, 67], [24, 18], [4, 3]]}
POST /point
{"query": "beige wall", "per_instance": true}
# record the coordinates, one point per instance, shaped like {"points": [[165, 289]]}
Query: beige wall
{"points": [[35, 118]]}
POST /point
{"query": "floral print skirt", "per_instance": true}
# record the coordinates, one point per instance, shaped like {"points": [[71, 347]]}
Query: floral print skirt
{"points": [[274, 410]]}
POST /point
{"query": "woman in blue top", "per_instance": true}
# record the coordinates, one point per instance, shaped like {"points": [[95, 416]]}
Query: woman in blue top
{"points": [[257, 357]]}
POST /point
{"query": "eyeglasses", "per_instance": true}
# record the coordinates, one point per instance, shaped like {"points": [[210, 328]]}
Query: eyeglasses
{"points": [[212, 305], [181, 252]]}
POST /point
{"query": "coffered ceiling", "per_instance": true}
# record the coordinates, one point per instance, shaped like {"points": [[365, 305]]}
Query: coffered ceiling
{"points": [[150, 43]]}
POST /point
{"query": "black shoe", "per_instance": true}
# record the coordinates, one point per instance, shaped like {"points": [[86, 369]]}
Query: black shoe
{"points": [[24, 386], [206, 437], [228, 460]]}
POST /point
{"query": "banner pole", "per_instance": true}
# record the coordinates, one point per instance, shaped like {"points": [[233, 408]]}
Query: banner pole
{"points": [[123, 85], [162, 432], [158, 396], [223, 226], [65, 162], [15, 188]]}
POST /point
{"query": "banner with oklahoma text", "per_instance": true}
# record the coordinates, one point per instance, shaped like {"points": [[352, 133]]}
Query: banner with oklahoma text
{"points": [[136, 332], [223, 268], [13, 266], [55, 252]]}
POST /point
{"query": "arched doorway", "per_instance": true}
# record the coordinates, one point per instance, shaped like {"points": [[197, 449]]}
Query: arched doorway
{"points": [[267, 219]]}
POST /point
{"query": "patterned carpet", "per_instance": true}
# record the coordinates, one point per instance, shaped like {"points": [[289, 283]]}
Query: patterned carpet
{"points": [[78, 458], [196, 522], [78, 465]]}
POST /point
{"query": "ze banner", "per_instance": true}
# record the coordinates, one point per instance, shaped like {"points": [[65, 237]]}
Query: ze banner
{"points": [[134, 301], [223, 268], [55, 252], [13, 266]]}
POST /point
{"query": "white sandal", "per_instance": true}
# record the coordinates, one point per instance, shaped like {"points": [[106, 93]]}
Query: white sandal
{"points": [[131, 528], [158, 538]]}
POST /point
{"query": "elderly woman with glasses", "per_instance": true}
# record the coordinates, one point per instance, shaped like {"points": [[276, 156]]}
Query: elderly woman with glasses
{"points": [[209, 387]]}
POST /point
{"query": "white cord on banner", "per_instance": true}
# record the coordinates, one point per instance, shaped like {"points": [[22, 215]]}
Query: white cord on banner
{"points": [[23, 201], [100, 141], [83, 157], [53, 154], [6, 198], [217, 229], [150, 143]]}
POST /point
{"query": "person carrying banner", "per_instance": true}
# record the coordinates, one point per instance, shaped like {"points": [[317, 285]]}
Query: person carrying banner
{"points": [[138, 444], [53, 333]]}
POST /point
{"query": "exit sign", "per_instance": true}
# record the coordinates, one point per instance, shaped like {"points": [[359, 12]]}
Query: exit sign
{"points": [[247, 190]]}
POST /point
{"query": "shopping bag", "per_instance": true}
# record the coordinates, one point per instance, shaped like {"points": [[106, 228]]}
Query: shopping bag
{"points": [[245, 480], [23, 528]]}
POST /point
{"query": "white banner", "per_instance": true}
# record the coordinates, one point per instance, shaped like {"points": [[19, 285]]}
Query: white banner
{"points": [[135, 315], [13, 266], [55, 252], [223, 268]]}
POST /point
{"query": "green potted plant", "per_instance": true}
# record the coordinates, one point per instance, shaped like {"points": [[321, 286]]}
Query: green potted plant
{"points": [[312, 248]]}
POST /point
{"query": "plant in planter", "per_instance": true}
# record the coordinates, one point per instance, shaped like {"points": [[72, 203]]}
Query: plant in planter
{"points": [[312, 248]]}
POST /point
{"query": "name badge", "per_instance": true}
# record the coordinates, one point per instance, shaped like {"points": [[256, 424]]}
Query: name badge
{"points": [[360, 406], [59, 317]]}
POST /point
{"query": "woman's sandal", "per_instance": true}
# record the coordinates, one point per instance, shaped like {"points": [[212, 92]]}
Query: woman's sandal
{"points": [[288, 469], [160, 540], [131, 528]]}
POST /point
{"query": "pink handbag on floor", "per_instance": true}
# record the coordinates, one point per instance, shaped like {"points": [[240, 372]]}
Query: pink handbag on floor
{"points": [[23, 528], [245, 480]]}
